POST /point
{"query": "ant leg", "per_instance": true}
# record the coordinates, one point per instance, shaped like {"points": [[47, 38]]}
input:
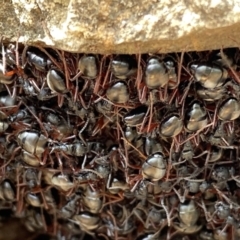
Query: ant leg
{"points": [[59, 162], [24, 61], [65, 69], [196, 133], [8, 90], [167, 212], [76, 76], [44, 159], [136, 184], [181, 198], [38, 120], [151, 112], [172, 97], [165, 93], [84, 161], [143, 94], [169, 166], [81, 131], [115, 224], [139, 152], [125, 157], [98, 80], [76, 94], [106, 76], [180, 68], [144, 120], [229, 201], [139, 72], [116, 200], [51, 58], [226, 61], [60, 100], [11, 158]]}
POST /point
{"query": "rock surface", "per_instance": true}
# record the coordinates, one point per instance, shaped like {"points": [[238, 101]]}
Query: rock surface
{"points": [[124, 26]]}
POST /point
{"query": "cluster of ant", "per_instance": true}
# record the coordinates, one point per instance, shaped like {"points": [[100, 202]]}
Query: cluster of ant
{"points": [[120, 146]]}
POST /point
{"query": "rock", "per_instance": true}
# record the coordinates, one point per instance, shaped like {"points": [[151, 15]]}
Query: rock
{"points": [[124, 26]]}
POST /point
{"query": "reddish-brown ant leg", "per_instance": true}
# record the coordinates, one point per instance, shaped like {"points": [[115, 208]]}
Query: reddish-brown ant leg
{"points": [[139, 179], [185, 95], [160, 95], [101, 126], [24, 52], [125, 157], [38, 120], [75, 96], [165, 93], [76, 76], [180, 68], [59, 162], [19, 194], [226, 61], [127, 162], [178, 79], [223, 196], [139, 152], [117, 199], [14, 93], [139, 73], [151, 113], [142, 93], [86, 85], [44, 158], [11, 158], [8, 89], [69, 159], [98, 80], [65, 68], [39, 184], [106, 76], [196, 133], [51, 58], [20, 203], [144, 121], [60, 100], [170, 161], [172, 97]]}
